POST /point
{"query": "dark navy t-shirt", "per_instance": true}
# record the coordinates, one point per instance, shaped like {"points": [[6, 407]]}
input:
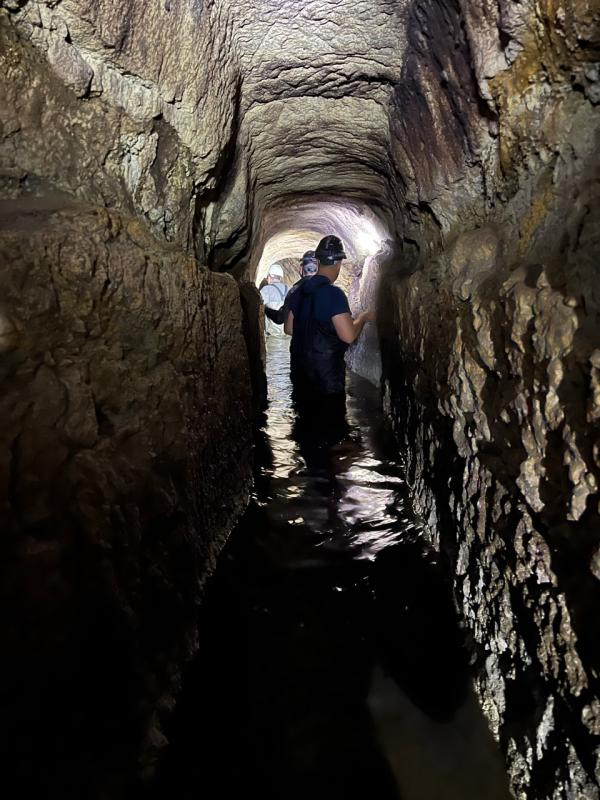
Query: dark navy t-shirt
{"points": [[329, 299]]}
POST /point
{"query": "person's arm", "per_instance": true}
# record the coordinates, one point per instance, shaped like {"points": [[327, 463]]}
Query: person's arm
{"points": [[288, 325], [348, 329], [276, 315]]}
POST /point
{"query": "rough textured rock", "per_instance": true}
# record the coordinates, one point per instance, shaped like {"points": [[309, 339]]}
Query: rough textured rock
{"points": [[490, 350], [364, 356], [125, 459], [495, 406], [467, 132], [127, 404], [53, 140], [254, 333]]}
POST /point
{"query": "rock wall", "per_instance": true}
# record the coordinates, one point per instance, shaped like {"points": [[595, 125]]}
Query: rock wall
{"points": [[136, 103], [468, 131], [127, 404], [254, 334], [124, 450], [364, 356], [491, 339]]}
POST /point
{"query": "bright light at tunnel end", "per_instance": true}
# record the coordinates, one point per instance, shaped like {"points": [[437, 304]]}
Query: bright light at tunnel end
{"points": [[302, 226], [367, 242]]}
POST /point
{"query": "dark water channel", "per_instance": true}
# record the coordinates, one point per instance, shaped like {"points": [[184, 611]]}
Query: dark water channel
{"points": [[331, 662]]}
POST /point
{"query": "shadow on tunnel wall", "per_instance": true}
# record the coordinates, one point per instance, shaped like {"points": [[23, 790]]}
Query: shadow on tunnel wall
{"points": [[125, 451], [253, 325]]}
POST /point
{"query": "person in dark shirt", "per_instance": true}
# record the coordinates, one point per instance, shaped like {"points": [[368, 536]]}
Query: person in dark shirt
{"points": [[308, 268], [321, 326]]}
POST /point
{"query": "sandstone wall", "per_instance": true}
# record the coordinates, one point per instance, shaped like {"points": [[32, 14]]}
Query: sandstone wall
{"points": [[127, 399], [124, 451], [491, 336], [466, 129], [128, 105]]}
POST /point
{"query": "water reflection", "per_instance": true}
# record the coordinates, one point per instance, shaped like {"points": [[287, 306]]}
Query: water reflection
{"points": [[339, 479], [325, 629]]}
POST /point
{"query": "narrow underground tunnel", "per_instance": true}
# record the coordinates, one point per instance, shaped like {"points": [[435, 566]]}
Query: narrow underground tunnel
{"points": [[205, 589]]}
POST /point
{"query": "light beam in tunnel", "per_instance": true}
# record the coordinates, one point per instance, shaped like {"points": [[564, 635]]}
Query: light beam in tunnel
{"points": [[291, 230], [368, 241]]}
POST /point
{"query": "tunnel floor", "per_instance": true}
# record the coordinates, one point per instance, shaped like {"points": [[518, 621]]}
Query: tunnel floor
{"points": [[331, 663]]}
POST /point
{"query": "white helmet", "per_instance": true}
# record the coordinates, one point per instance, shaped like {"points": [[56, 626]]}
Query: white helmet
{"points": [[276, 270]]}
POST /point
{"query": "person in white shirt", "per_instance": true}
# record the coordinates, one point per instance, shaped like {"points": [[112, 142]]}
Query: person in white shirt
{"points": [[273, 295]]}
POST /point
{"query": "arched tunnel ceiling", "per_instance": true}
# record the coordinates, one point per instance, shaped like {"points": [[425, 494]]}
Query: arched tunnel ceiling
{"points": [[314, 100], [271, 100], [390, 103], [289, 230], [315, 95], [384, 102], [230, 108]]}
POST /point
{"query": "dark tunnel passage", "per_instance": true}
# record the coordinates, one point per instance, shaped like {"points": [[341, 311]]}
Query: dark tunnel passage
{"points": [[202, 593], [333, 663]]}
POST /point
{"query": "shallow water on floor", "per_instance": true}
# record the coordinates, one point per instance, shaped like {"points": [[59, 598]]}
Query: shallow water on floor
{"points": [[331, 662]]}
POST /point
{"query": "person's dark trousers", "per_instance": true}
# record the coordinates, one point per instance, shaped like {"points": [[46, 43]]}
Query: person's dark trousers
{"points": [[324, 414], [303, 388], [332, 416]]}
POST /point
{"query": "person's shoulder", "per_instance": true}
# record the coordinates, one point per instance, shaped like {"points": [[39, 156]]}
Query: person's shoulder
{"points": [[336, 295], [335, 291], [294, 288], [293, 296]]}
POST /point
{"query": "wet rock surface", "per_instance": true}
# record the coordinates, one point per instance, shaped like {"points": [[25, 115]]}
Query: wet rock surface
{"points": [[518, 479], [510, 470], [489, 353], [126, 407]]}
